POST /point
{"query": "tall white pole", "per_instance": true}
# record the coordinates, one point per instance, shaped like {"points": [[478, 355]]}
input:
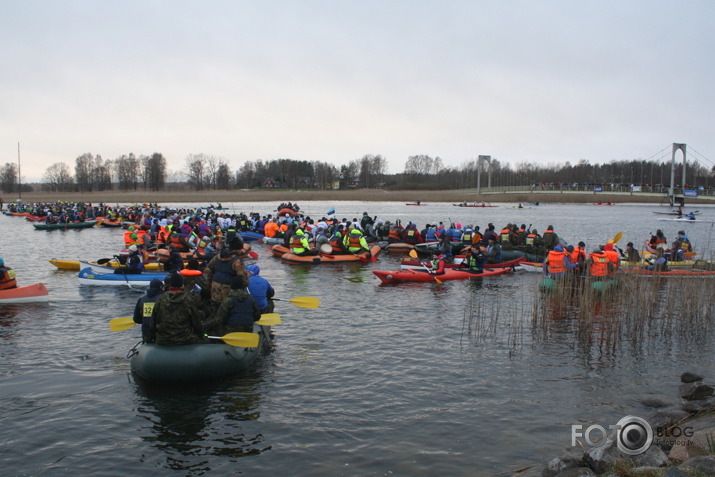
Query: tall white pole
{"points": [[19, 173]]}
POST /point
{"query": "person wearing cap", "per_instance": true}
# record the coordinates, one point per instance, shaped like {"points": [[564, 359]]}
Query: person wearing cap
{"points": [[237, 311], [220, 271], [355, 241], [145, 306], [134, 263], [260, 289], [7, 276], [493, 250], [299, 244], [176, 319], [557, 264], [551, 239]]}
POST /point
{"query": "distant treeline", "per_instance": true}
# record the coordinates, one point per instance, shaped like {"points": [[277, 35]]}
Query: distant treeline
{"points": [[204, 172]]}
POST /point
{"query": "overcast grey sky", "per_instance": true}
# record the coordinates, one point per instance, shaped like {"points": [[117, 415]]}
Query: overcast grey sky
{"points": [[523, 81]]}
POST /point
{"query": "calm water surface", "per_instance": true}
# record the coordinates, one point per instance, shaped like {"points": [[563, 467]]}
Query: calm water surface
{"points": [[380, 380]]}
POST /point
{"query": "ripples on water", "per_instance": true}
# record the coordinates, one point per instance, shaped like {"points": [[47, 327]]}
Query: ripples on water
{"points": [[464, 378]]}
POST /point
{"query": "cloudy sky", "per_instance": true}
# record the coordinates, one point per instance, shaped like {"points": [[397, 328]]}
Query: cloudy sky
{"points": [[523, 81]]}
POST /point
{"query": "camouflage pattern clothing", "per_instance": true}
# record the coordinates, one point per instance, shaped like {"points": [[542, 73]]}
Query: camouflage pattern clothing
{"points": [[176, 320], [220, 271], [237, 312]]}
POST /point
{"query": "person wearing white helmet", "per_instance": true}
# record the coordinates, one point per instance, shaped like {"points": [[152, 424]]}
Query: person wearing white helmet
{"points": [[7, 276], [134, 262]]}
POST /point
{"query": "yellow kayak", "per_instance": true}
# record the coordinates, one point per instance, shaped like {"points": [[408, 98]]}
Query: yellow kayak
{"points": [[74, 264]]}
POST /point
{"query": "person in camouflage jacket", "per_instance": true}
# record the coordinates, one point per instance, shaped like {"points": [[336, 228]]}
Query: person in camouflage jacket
{"points": [[176, 319]]}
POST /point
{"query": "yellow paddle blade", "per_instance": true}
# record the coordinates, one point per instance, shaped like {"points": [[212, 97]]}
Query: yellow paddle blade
{"points": [[306, 302], [269, 319], [241, 340], [413, 253], [121, 324], [618, 237]]}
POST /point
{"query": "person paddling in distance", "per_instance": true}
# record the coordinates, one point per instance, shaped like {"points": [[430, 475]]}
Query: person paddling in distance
{"points": [[145, 306], [7, 276], [175, 319], [260, 289]]}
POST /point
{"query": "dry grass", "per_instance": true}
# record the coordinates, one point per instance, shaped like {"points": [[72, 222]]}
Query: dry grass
{"points": [[372, 195]]}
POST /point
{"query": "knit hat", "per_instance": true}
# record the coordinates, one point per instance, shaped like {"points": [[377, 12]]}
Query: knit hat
{"points": [[156, 283], [174, 280], [253, 269]]}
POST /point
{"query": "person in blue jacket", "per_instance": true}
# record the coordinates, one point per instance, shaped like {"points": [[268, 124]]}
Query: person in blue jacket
{"points": [[260, 289], [145, 305]]}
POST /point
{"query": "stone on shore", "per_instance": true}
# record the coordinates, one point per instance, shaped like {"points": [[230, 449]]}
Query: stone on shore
{"points": [[703, 464], [695, 391], [688, 377], [601, 458]]}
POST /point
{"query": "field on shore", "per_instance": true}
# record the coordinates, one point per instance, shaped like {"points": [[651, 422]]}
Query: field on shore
{"points": [[368, 195]]}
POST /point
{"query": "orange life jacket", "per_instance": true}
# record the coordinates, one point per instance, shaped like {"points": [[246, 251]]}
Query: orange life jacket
{"points": [[393, 234], [504, 235], [555, 261], [577, 253], [599, 267]]}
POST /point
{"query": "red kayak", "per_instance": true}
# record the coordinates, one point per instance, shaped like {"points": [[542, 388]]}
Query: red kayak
{"points": [[27, 294], [415, 203], [414, 263], [395, 276]]}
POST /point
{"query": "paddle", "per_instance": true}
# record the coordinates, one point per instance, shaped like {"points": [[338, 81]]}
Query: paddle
{"points": [[269, 319], [617, 238], [252, 254], [413, 254], [240, 340], [303, 301], [121, 324]]}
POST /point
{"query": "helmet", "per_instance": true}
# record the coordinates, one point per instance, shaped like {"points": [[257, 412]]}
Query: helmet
{"points": [[133, 248]]}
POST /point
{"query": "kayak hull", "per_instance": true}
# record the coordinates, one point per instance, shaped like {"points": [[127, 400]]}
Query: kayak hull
{"points": [[395, 276], [196, 362], [414, 263], [88, 277], [35, 293], [329, 258], [71, 225]]}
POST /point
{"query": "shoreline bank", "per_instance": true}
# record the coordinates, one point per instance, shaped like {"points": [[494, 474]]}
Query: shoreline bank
{"points": [[367, 195]]}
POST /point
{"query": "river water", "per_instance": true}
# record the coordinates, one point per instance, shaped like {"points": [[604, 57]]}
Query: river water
{"points": [[380, 380]]}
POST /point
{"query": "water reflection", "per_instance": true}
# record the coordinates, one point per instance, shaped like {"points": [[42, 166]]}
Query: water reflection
{"points": [[190, 423]]}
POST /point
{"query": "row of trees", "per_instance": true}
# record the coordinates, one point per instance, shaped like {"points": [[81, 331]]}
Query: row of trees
{"points": [[201, 172]]}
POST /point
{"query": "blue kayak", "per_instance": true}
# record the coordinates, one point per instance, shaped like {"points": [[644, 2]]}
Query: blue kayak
{"points": [[251, 236], [89, 277]]}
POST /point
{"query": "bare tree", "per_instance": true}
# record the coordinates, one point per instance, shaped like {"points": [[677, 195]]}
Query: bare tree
{"points": [[196, 171], [58, 177], [154, 171], [9, 177], [83, 172]]}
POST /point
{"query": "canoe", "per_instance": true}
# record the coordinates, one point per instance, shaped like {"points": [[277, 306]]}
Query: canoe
{"points": [[694, 212], [36, 293], [686, 220], [394, 276], [329, 258], [88, 277], [111, 223], [249, 236], [70, 225], [414, 263], [196, 362], [399, 247], [75, 264], [532, 267], [272, 240]]}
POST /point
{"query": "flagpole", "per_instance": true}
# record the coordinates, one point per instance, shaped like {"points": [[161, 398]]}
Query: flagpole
{"points": [[19, 175]]}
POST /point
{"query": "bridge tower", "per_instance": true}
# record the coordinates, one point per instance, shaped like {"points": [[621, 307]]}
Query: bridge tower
{"points": [[671, 190]]}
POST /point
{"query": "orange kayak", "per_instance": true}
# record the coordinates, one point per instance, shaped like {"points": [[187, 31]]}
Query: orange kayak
{"points": [[330, 258], [27, 294]]}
